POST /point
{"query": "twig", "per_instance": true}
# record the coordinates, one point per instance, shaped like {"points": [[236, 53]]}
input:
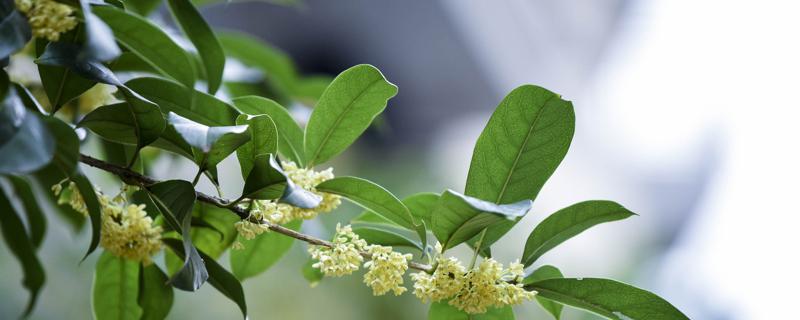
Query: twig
{"points": [[135, 178]]}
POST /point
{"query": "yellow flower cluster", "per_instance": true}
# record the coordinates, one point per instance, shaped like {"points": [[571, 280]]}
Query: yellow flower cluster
{"points": [[344, 257], [307, 179], [249, 230], [126, 231], [48, 19], [386, 270], [473, 291]]}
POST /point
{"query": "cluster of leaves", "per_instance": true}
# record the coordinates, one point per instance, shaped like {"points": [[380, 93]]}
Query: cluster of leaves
{"points": [[171, 101]]}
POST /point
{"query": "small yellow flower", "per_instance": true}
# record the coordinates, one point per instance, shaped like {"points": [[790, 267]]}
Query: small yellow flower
{"points": [[128, 232], [75, 199], [444, 283], [249, 230], [386, 270], [48, 19], [308, 179], [344, 257]]}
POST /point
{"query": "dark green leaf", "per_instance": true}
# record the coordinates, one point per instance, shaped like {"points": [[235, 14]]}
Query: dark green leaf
{"points": [[25, 143], [568, 222], [66, 54], [89, 196], [457, 217], [115, 288], [267, 180], [263, 141], [220, 233], [100, 44], [220, 278], [66, 153], [345, 110], [29, 100], [188, 103], [215, 143], [523, 143], [155, 294], [262, 252], [143, 7], [370, 196], [21, 246], [608, 298], [125, 122], [204, 40], [37, 223], [174, 199], [60, 84], [290, 136], [444, 311], [150, 43], [544, 273], [14, 29]]}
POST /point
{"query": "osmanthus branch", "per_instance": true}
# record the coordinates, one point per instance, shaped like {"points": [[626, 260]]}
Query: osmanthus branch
{"points": [[134, 178]]}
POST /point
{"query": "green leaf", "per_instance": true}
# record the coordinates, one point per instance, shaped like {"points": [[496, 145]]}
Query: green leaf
{"points": [[21, 246], [25, 142], [263, 141], [421, 205], [150, 43], [608, 298], [60, 84], [29, 100], [100, 44], [155, 294], [188, 103], [117, 123], [66, 54], [66, 153], [143, 7], [14, 30], [290, 136], [386, 235], [444, 311], [219, 232], [115, 288], [37, 223], [544, 273], [89, 196], [569, 222], [457, 217], [203, 38], [370, 196], [267, 180], [523, 143], [345, 110], [313, 275], [215, 143], [174, 199], [220, 278], [277, 67], [261, 253]]}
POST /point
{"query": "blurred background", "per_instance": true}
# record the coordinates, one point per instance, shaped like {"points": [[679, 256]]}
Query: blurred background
{"points": [[686, 113]]}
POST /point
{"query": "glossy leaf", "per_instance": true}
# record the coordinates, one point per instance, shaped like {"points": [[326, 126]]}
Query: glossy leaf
{"points": [[66, 54], [25, 142], [444, 311], [370, 196], [290, 136], [608, 298], [421, 205], [174, 199], [215, 231], [66, 153], [519, 149], [188, 103], [21, 246], [544, 273], [569, 222], [457, 217], [37, 223], [261, 253], [203, 38], [220, 278], [89, 196], [100, 44], [150, 43], [14, 29], [216, 143], [155, 293], [263, 141], [115, 288], [267, 180], [59, 83], [345, 110]]}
